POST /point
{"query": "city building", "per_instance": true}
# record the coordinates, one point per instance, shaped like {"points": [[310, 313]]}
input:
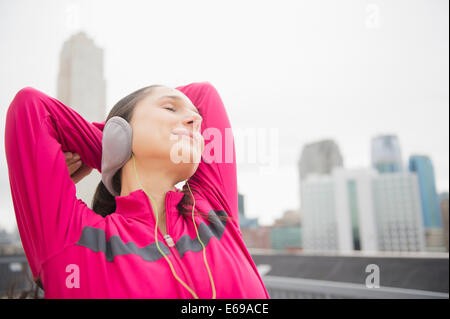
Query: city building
{"points": [[431, 212], [286, 232], [5, 237], [398, 212], [257, 237], [291, 217], [319, 158], [443, 203], [244, 221], [362, 210], [319, 221], [386, 154], [81, 85], [286, 237], [423, 167], [355, 211]]}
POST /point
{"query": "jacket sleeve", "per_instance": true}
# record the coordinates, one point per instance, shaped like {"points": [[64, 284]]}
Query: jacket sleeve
{"points": [[38, 130], [216, 178]]}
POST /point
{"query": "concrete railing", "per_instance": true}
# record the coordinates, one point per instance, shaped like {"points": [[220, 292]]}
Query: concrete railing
{"points": [[296, 288]]}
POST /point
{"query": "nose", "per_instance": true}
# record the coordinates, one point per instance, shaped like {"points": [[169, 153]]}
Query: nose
{"points": [[193, 120]]}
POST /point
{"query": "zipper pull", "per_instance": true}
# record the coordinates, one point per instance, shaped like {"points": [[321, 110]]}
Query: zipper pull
{"points": [[169, 240]]}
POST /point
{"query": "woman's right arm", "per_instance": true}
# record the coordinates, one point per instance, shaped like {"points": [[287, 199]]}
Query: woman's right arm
{"points": [[39, 129]]}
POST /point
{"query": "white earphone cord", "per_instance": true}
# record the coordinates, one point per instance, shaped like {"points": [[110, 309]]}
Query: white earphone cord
{"points": [[198, 236]]}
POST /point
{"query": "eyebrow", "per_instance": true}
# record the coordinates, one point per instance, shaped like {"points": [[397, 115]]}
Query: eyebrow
{"points": [[176, 97]]}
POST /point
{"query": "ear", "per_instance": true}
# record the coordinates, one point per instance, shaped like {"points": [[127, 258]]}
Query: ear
{"points": [[116, 149]]}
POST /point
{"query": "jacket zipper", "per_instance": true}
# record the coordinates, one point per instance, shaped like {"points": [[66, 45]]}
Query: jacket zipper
{"points": [[171, 244]]}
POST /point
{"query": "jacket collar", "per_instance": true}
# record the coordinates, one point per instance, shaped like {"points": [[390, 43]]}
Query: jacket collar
{"points": [[137, 203]]}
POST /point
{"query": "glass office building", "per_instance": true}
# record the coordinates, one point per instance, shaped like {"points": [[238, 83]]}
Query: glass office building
{"points": [[423, 167], [386, 154]]}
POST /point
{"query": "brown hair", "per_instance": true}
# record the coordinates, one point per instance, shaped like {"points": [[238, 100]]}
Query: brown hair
{"points": [[103, 202]]}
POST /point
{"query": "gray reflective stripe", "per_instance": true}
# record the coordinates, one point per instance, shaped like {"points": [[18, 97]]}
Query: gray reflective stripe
{"points": [[215, 228], [95, 239]]}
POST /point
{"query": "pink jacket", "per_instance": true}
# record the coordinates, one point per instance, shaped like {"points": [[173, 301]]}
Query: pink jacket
{"points": [[76, 253]]}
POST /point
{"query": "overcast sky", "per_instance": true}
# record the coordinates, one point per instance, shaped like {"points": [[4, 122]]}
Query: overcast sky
{"points": [[346, 70]]}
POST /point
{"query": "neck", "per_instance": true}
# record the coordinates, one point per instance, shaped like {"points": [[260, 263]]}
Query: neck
{"points": [[154, 179]]}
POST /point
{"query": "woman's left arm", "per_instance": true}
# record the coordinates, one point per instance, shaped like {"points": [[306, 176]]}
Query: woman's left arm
{"points": [[216, 175]]}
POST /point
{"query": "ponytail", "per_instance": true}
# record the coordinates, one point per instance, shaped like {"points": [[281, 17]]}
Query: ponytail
{"points": [[104, 203]]}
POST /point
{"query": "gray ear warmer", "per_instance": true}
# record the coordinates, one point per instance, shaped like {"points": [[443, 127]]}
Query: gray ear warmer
{"points": [[116, 149]]}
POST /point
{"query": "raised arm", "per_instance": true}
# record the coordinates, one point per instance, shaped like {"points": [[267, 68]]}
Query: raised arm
{"points": [[216, 176], [38, 130]]}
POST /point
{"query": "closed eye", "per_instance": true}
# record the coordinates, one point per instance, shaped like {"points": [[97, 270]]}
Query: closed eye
{"points": [[170, 108]]}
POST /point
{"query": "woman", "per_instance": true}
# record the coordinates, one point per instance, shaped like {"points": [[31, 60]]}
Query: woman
{"points": [[111, 251]]}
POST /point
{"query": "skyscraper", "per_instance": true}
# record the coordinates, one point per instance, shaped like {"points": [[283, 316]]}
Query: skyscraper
{"points": [[423, 167], [319, 158], [386, 154], [316, 164], [431, 212], [81, 86], [81, 83]]}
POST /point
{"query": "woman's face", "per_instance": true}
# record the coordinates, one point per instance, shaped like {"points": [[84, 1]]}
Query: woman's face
{"points": [[166, 127]]}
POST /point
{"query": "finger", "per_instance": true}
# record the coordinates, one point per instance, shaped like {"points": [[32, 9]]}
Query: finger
{"points": [[74, 158], [81, 173], [74, 167], [68, 155], [85, 171]]}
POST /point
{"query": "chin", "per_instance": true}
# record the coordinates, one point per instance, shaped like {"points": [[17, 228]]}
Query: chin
{"points": [[186, 171]]}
